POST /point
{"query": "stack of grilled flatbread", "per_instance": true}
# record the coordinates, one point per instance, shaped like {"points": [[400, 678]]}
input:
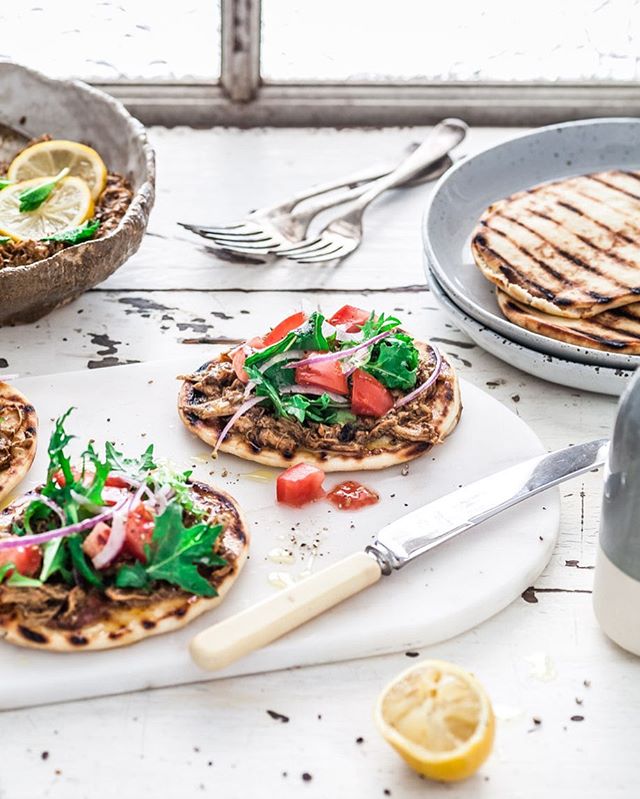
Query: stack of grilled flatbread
{"points": [[565, 257]]}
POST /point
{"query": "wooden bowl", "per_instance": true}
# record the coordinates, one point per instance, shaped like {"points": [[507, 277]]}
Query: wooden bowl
{"points": [[33, 103]]}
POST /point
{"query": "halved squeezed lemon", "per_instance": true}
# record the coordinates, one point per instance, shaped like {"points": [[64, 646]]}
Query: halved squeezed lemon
{"points": [[68, 205], [47, 158], [439, 718]]}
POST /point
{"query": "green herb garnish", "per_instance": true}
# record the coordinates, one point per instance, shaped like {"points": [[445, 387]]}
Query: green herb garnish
{"points": [[5, 239], [394, 362], [15, 578], [33, 198], [75, 235], [4, 182], [174, 554]]}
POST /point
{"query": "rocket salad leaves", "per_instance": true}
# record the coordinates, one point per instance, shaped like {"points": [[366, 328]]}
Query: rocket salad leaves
{"points": [[177, 551]]}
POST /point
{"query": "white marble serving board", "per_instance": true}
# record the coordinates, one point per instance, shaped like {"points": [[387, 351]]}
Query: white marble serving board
{"points": [[446, 592]]}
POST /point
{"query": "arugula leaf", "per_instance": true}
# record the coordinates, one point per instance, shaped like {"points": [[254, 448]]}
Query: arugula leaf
{"points": [[55, 560], [80, 562], [320, 409], [264, 387], [394, 362], [58, 460], [16, 578], [179, 483], [378, 324], [75, 235], [132, 575], [261, 356], [310, 335], [33, 198], [133, 466], [174, 554]]}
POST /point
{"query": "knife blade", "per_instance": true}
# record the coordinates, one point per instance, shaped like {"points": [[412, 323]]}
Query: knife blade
{"points": [[395, 545], [429, 526]]}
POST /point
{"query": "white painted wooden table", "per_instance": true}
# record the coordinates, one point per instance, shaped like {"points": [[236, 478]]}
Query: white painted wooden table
{"points": [[218, 739]]}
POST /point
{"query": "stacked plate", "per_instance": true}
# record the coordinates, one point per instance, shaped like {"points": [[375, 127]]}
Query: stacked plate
{"points": [[458, 202]]}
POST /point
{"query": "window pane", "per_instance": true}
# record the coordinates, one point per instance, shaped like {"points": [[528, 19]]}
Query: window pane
{"points": [[112, 39], [455, 40]]}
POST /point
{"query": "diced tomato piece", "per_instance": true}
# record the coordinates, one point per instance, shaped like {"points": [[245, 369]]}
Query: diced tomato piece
{"points": [[116, 481], [27, 560], [286, 326], [350, 315], [352, 495], [96, 539], [368, 396], [237, 359], [138, 531], [300, 484], [325, 374]]}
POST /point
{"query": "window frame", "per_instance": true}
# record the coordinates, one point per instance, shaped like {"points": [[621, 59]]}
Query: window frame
{"points": [[241, 98]]}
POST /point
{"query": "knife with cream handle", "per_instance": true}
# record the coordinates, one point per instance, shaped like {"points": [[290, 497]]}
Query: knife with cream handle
{"points": [[395, 545]]}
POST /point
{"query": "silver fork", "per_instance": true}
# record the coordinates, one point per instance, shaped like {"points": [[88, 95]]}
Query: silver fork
{"points": [[343, 234], [268, 229], [293, 227]]}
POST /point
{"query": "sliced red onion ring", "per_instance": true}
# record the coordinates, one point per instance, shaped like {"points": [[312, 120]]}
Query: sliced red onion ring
{"points": [[61, 532], [114, 542], [427, 383], [316, 391], [53, 506], [241, 410], [340, 354], [116, 538]]}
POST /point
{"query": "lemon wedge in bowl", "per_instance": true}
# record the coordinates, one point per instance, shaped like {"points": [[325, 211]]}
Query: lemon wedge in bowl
{"points": [[439, 718], [49, 157], [69, 204]]}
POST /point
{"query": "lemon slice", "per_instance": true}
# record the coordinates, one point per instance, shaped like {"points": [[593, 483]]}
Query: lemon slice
{"points": [[68, 205], [48, 157], [438, 717]]}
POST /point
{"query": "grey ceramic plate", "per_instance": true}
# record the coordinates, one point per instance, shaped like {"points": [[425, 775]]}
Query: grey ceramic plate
{"points": [[461, 196], [599, 379]]}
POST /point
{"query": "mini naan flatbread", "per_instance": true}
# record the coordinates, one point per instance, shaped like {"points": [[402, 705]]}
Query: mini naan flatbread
{"points": [[18, 438], [617, 330], [401, 435], [66, 618], [569, 248]]}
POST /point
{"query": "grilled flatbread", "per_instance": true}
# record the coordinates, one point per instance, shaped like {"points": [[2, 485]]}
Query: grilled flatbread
{"points": [[401, 435], [66, 618], [18, 435], [569, 248], [617, 330]]}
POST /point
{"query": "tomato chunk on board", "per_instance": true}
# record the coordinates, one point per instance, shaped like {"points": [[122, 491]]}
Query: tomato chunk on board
{"points": [[284, 327], [27, 560], [325, 374], [138, 531], [350, 315], [368, 396], [299, 485]]}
